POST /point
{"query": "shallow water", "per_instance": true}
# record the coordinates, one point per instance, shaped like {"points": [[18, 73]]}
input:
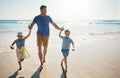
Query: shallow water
{"points": [[83, 32]]}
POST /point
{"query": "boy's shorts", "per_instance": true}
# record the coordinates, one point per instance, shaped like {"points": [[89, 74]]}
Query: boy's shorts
{"points": [[42, 40], [65, 52]]}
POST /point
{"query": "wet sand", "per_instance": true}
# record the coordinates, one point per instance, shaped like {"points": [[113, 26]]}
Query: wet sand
{"points": [[100, 59]]}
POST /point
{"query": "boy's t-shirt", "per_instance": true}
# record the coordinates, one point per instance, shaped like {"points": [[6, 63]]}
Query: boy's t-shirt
{"points": [[66, 42], [20, 43], [43, 24]]}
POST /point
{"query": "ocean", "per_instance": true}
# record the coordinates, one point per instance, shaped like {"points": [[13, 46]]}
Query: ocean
{"points": [[83, 32]]}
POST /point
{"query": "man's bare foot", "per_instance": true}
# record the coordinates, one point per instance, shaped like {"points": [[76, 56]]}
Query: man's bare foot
{"points": [[20, 68], [44, 60], [41, 65]]}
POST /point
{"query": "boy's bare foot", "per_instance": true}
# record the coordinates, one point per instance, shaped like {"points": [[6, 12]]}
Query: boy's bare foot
{"points": [[44, 61], [73, 49], [61, 64], [66, 70]]}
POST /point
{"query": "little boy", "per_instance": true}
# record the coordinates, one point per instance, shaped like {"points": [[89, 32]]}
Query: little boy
{"points": [[66, 46]]}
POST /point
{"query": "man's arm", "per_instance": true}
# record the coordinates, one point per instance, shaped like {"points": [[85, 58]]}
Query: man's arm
{"points": [[56, 26], [27, 35], [31, 25]]}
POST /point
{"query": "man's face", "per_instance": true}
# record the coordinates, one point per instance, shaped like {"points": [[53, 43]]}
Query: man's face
{"points": [[44, 11]]}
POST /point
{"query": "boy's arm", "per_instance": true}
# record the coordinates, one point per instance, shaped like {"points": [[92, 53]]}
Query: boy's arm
{"points": [[73, 45], [11, 46], [60, 34], [27, 35], [73, 49]]}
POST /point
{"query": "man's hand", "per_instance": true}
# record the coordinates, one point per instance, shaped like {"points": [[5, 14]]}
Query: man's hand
{"points": [[31, 25], [62, 28]]}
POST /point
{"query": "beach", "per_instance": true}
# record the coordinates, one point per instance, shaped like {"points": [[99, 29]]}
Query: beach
{"points": [[97, 60], [96, 55]]}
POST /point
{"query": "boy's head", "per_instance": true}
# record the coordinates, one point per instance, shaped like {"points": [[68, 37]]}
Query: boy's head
{"points": [[67, 33], [19, 35]]}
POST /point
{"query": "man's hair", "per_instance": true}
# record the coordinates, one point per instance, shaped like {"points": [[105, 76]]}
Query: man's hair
{"points": [[67, 31], [42, 6]]}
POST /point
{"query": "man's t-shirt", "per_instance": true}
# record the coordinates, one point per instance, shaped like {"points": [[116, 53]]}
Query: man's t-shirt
{"points": [[42, 24]]}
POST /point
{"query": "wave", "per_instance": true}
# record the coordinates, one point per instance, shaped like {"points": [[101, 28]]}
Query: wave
{"points": [[22, 22], [104, 33], [107, 22], [14, 21]]}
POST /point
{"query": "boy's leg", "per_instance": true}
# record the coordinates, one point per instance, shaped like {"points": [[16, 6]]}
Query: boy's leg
{"points": [[20, 67], [62, 61], [65, 60], [21, 60]]}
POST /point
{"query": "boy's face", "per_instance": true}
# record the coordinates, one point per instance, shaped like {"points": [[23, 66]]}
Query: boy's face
{"points": [[67, 34], [20, 37]]}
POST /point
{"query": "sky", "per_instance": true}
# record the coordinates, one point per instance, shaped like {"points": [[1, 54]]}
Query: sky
{"points": [[60, 9]]}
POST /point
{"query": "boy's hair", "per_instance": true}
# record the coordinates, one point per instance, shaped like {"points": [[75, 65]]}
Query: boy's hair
{"points": [[42, 6], [67, 31]]}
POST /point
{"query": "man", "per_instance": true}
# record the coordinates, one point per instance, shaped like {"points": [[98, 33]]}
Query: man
{"points": [[42, 22]]}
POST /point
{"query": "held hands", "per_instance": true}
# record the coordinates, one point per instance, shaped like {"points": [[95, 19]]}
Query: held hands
{"points": [[62, 28]]}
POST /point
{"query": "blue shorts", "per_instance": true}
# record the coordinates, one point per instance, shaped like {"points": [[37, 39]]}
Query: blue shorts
{"points": [[65, 52]]}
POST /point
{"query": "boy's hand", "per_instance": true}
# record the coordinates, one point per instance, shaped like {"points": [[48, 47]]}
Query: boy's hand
{"points": [[12, 47], [73, 49]]}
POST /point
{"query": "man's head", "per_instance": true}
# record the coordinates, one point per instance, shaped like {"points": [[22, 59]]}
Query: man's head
{"points": [[43, 9], [67, 33]]}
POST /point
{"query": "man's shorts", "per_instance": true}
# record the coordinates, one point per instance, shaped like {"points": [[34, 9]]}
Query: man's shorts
{"points": [[65, 52], [42, 40]]}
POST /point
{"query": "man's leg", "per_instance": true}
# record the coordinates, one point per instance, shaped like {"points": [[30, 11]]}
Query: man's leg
{"points": [[39, 44], [40, 54], [44, 51], [45, 45]]}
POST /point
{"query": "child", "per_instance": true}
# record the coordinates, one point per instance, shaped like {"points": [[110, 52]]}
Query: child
{"points": [[21, 51], [66, 46]]}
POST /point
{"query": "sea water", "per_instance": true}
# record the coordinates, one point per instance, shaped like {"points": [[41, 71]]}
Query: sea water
{"points": [[83, 32]]}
